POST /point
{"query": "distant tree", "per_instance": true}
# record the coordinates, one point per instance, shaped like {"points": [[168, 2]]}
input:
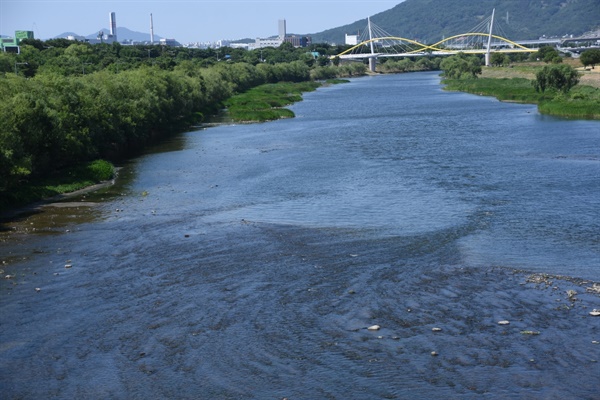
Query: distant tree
{"points": [[499, 59], [60, 42], [559, 77], [322, 61], [590, 57], [518, 57], [38, 44], [547, 54], [461, 66], [7, 61]]}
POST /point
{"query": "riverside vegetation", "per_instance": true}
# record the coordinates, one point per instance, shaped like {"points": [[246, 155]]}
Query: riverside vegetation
{"points": [[68, 104], [553, 85]]}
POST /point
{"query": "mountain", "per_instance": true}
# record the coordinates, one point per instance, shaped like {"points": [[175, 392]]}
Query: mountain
{"points": [[429, 21], [123, 34]]}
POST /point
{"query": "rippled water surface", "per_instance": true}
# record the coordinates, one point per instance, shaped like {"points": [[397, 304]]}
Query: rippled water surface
{"points": [[248, 261]]}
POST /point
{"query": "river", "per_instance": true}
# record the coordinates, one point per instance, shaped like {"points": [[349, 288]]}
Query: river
{"points": [[249, 261]]}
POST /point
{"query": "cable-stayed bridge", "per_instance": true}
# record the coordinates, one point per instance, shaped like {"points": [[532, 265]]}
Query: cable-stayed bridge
{"points": [[375, 43]]}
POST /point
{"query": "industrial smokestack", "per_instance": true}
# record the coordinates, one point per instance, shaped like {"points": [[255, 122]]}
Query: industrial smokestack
{"points": [[151, 30], [113, 25]]}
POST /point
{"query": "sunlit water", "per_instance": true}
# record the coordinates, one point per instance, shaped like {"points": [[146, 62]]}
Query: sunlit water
{"points": [[247, 261]]}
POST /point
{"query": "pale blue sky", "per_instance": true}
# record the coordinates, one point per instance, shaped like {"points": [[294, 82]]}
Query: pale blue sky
{"points": [[185, 20]]}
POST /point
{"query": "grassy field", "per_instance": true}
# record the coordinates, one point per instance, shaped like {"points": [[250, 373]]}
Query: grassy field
{"points": [[514, 83], [589, 77]]}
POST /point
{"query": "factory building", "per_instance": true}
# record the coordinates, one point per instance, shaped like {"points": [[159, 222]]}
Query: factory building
{"points": [[12, 45]]}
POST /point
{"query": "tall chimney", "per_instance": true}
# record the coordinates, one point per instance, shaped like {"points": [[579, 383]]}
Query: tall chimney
{"points": [[151, 30], [113, 25]]}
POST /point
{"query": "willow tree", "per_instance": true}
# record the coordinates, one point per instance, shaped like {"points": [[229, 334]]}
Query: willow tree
{"points": [[560, 77]]}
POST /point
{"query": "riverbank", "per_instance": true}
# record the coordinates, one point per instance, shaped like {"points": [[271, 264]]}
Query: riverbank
{"points": [[515, 84], [70, 181], [260, 104]]}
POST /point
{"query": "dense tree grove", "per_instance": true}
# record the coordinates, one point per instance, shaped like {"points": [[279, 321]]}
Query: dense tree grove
{"points": [[65, 102], [411, 65], [461, 66], [53, 121]]}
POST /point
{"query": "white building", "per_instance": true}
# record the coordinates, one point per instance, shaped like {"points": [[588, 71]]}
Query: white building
{"points": [[262, 43], [351, 40], [169, 42]]}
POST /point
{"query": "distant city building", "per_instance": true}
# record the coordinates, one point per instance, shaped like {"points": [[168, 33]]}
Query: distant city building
{"points": [[12, 45], [261, 43], [76, 37], [113, 26], [296, 41], [351, 40], [282, 29], [169, 42]]}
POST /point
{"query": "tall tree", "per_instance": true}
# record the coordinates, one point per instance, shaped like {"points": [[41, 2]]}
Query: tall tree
{"points": [[559, 77], [590, 57]]}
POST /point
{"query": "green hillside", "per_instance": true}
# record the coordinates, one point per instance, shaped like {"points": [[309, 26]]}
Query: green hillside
{"points": [[431, 20]]}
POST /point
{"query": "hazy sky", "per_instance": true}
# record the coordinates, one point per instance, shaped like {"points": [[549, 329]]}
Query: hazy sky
{"points": [[185, 20]]}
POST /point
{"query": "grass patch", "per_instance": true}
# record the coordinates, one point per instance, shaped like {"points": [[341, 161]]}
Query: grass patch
{"points": [[267, 102], [66, 181], [580, 102], [505, 89]]}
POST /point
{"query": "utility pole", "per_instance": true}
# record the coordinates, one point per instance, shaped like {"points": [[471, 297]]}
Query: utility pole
{"points": [[19, 63]]}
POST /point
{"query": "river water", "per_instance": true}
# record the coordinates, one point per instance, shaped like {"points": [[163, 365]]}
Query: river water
{"points": [[248, 261]]}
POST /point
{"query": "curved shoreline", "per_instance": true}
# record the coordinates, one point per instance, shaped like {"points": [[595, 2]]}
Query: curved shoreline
{"points": [[11, 214]]}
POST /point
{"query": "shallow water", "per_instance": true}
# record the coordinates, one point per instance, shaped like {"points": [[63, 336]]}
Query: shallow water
{"points": [[247, 261]]}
